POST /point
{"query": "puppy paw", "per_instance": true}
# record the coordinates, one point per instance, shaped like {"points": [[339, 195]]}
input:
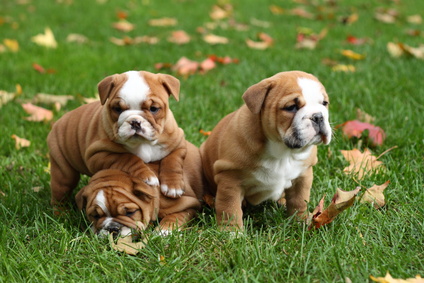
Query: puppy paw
{"points": [[171, 192], [152, 181]]}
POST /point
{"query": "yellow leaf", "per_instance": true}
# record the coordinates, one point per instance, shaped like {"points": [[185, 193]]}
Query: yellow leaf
{"points": [[352, 55], [45, 98], [20, 142], [163, 22], [125, 244], [5, 97], [123, 25], [215, 39], [11, 44], [78, 38], [45, 39], [343, 68], [389, 279], [414, 19]]}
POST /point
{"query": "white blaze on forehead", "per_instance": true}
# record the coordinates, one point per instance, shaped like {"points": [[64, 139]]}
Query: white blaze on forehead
{"points": [[135, 90], [311, 90], [101, 202]]}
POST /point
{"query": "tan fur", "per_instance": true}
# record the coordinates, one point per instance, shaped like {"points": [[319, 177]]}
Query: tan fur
{"points": [[84, 141], [123, 190], [236, 145]]}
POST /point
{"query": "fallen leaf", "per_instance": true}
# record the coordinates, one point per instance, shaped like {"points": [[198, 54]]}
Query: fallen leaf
{"points": [[133, 41], [38, 114], [220, 12], [215, 39], [163, 22], [207, 64], [122, 15], [355, 128], [266, 41], [417, 52], [45, 39], [344, 68], [394, 49], [364, 117], [38, 68], [123, 25], [276, 10], [11, 44], [223, 60], [162, 260], [361, 164], [179, 37], [301, 12], [125, 244], [259, 23], [5, 97], [389, 279], [205, 133], [307, 39], [375, 196], [340, 202], [414, 19], [77, 38], [51, 99], [20, 142], [387, 16], [185, 66], [350, 19], [37, 189], [352, 55], [355, 40]]}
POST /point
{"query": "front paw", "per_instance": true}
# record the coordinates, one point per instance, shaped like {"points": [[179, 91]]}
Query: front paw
{"points": [[171, 191], [150, 178]]}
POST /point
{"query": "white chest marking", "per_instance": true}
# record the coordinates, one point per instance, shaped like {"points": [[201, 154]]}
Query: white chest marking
{"points": [[135, 90], [279, 166], [101, 202], [149, 152]]}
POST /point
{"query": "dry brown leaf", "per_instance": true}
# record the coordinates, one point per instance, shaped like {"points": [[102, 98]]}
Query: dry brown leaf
{"points": [[163, 22], [125, 244], [123, 25], [219, 13], [340, 202], [136, 40], [207, 64], [179, 37], [375, 196], [276, 10], [45, 39], [38, 114], [215, 39], [37, 189], [185, 66], [399, 49], [387, 16], [414, 19], [301, 12], [389, 279], [259, 23], [364, 117], [361, 164], [20, 142]]}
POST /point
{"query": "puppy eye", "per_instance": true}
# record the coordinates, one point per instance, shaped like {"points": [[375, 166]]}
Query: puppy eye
{"points": [[154, 109], [325, 103], [130, 213], [95, 216], [118, 109], [291, 108]]}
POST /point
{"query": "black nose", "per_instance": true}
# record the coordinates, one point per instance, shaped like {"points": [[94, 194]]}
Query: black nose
{"points": [[317, 118], [114, 228], [135, 125]]}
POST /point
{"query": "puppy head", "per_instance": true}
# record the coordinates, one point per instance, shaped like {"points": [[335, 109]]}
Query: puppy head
{"points": [[114, 202], [293, 107], [136, 104]]}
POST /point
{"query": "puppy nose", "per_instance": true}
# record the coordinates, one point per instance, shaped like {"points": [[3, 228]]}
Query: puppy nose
{"points": [[114, 229], [317, 118], [135, 125]]}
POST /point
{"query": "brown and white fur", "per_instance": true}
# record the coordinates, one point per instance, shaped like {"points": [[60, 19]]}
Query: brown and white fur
{"points": [[267, 147]]}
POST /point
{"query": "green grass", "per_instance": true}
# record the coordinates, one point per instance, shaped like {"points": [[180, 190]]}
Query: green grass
{"points": [[362, 241]]}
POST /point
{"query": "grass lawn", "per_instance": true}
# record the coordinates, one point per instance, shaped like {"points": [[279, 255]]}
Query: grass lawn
{"points": [[362, 241]]}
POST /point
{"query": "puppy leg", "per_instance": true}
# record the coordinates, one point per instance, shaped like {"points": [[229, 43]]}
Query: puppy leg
{"points": [[171, 173], [62, 182], [228, 202], [297, 196], [176, 221]]}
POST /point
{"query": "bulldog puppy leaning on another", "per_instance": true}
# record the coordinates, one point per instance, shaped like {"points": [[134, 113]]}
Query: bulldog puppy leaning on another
{"points": [[267, 147], [116, 202], [130, 126]]}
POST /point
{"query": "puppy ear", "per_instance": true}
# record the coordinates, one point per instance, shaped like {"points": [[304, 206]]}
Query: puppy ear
{"points": [[105, 87], [254, 96], [81, 198], [171, 84], [148, 195]]}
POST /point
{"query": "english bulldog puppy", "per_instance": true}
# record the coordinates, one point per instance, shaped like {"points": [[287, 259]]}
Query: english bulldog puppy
{"points": [[130, 126], [267, 147], [118, 203]]}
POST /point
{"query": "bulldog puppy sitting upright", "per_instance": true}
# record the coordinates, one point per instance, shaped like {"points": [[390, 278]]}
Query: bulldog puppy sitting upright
{"points": [[268, 146], [116, 202], [131, 125]]}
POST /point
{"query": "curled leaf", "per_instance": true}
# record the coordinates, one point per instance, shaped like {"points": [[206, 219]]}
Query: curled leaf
{"points": [[125, 244], [340, 202], [38, 114], [163, 22], [361, 164], [389, 279], [215, 39], [355, 128], [123, 25], [352, 55], [179, 37]]}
